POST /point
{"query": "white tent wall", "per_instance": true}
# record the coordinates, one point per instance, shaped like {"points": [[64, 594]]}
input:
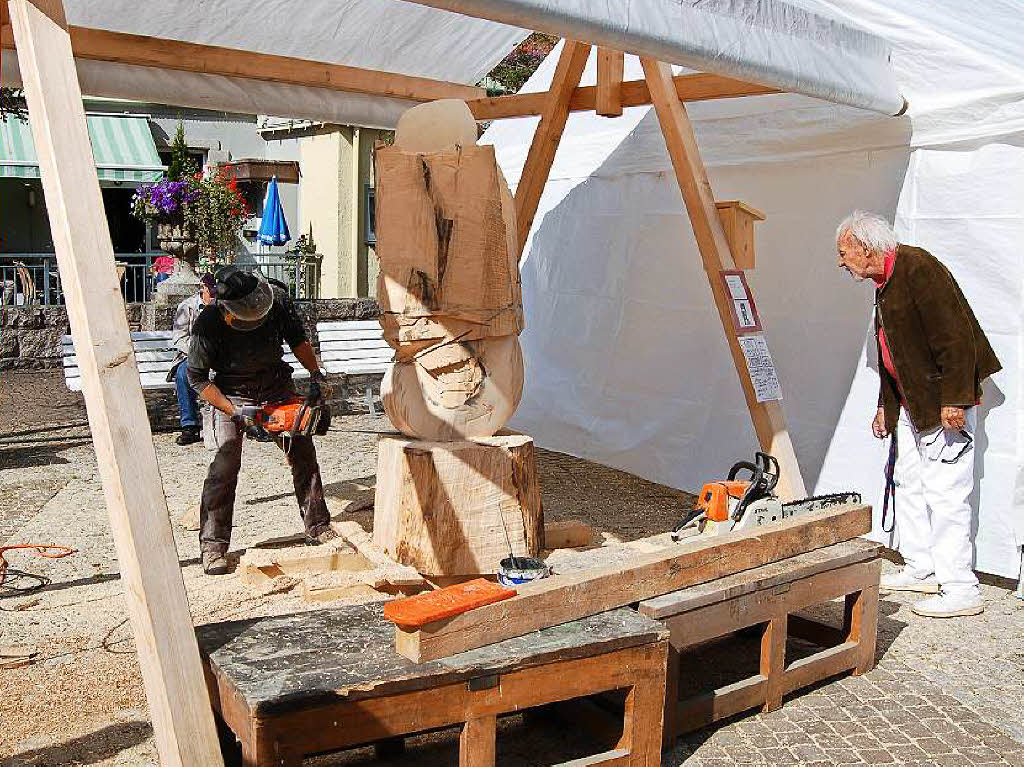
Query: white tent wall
{"points": [[626, 359]]}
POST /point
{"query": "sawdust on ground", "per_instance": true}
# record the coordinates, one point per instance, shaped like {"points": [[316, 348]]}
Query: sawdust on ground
{"points": [[81, 700]]}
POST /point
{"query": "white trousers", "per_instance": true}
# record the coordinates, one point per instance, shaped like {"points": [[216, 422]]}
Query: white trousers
{"points": [[934, 480]]}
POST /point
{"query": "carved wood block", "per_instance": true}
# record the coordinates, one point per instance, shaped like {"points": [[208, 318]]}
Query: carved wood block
{"points": [[444, 507]]}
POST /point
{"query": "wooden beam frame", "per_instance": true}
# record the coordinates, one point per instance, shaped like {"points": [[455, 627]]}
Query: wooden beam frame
{"points": [[567, 597], [769, 421], [610, 64], [548, 134], [154, 590], [632, 93], [143, 51]]}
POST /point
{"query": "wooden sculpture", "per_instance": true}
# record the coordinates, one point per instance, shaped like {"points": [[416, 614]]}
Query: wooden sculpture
{"points": [[451, 306]]}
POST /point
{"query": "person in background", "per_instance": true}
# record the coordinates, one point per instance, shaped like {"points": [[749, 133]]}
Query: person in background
{"points": [[933, 356], [181, 337], [162, 268]]}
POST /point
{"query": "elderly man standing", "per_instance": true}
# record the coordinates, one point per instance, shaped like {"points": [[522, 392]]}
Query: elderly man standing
{"points": [[933, 357]]}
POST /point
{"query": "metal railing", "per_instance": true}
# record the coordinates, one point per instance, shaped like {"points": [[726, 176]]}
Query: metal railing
{"points": [[33, 278], [301, 278]]}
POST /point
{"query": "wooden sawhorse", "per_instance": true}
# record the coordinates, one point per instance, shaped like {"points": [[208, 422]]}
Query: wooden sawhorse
{"points": [[768, 596], [315, 682]]}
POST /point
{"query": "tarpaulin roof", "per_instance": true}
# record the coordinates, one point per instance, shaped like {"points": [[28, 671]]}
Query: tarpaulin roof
{"points": [[766, 41]]}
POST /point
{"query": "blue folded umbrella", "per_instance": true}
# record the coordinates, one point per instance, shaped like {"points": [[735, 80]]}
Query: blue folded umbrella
{"points": [[273, 228]]}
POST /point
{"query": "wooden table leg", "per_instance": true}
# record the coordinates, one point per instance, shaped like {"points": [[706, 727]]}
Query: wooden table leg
{"points": [[643, 725], [671, 714], [773, 660], [477, 742], [862, 626]]}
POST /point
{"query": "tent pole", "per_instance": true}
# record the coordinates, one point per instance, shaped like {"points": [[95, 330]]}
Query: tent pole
{"points": [[549, 132], [769, 421], [179, 704]]}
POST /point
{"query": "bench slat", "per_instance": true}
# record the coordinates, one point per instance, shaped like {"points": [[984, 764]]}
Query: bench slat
{"points": [[347, 324], [359, 343], [360, 355], [361, 368], [349, 335]]}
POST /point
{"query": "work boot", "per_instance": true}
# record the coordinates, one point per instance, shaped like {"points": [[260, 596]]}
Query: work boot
{"points": [[214, 563], [325, 535], [188, 436], [950, 605], [905, 580]]}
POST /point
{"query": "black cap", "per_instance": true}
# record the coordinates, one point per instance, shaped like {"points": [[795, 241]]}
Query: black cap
{"points": [[234, 283]]}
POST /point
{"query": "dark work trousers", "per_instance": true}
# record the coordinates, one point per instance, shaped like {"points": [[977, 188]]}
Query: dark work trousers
{"points": [[218, 502]]}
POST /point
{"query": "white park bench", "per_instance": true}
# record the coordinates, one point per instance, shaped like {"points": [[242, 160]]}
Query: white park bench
{"points": [[355, 348], [154, 354]]}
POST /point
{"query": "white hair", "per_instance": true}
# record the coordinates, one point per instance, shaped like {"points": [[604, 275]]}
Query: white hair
{"points": [[870, 230]]}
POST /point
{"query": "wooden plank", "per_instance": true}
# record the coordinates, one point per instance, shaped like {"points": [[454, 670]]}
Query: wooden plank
{"points": [[360, 355], [738, 222], [338, 345], [766, 577], [562, 598], [477, 742], [155, 596], [616, 757], [548, 134], [632, 93], [728, 700], [730, 615], [140, 50], [822, 665], [610, 64], [769, 421], [347, 368]]}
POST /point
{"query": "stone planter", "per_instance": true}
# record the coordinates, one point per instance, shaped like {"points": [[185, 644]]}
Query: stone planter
{"points": [[183, 281]]}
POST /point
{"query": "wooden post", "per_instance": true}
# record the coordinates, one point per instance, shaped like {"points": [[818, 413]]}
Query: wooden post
{"points": [[773, 660], [610, 64], [769, 422], [549, 132], [477, 742], [154, 591], [738, 222]]}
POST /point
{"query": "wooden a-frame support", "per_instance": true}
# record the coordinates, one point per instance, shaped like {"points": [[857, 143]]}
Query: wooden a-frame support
{"points": [[715, 249], [179, 704]]}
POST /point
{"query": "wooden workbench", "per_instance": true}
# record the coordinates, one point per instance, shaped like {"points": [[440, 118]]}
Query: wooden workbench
{"points": [[768, 597], [321, 681]]}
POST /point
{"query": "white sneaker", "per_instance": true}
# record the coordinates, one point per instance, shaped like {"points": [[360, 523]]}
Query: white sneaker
{"points": [[904, 580], [949, 606]]}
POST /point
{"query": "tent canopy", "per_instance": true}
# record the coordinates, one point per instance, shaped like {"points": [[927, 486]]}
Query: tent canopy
{"points": [[770, 42]]}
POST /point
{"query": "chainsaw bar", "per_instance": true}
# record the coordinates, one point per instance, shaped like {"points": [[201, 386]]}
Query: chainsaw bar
{"points": [[820, 502]]}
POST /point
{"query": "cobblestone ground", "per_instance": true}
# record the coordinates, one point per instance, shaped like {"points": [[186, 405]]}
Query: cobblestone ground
{"points": [[944, 692]]}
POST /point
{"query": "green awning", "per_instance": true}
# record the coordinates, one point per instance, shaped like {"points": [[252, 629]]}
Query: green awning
{"points": [[121, 145]]}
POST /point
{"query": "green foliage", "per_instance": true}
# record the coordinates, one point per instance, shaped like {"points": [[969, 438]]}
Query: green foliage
{"points": [[217, 214], [515, 69], [181, 166]]}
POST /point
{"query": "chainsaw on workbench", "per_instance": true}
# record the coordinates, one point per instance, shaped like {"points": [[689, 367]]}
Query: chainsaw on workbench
{"points": [[737, 504]]}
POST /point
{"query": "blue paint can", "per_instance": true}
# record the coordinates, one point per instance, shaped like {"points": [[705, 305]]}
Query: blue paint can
{"points": [[518, 570]]}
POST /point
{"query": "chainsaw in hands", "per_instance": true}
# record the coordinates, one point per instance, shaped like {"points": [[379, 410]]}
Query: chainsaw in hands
{"points": [[293, 418], [740, 504]]}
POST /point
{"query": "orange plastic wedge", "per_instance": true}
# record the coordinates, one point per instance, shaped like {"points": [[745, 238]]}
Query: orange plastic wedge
{"points": [[414, 612]]}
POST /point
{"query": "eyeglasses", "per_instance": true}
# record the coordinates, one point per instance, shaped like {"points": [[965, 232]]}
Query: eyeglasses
{"points": [[964, 449]]}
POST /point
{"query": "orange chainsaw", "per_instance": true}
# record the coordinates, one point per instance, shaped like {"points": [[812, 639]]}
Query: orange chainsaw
{"points": [[292, 418], [737, 504]]}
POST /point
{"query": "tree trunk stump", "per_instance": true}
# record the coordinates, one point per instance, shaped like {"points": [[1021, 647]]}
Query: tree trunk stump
{"points": [[444, 508]]}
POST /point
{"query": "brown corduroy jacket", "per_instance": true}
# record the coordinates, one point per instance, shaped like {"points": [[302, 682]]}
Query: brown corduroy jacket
{"points": [[939, 351]]}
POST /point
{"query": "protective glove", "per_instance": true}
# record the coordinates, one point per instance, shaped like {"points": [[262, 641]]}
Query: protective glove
{"points": [[319, 389], [245, 417]]}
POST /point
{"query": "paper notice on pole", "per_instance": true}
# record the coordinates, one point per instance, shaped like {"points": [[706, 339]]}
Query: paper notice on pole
{"points": [[745, 315], [761, 368], [737, 289]]}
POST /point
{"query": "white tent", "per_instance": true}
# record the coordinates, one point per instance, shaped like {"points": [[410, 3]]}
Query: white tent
{"points": [[625, 355]]}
